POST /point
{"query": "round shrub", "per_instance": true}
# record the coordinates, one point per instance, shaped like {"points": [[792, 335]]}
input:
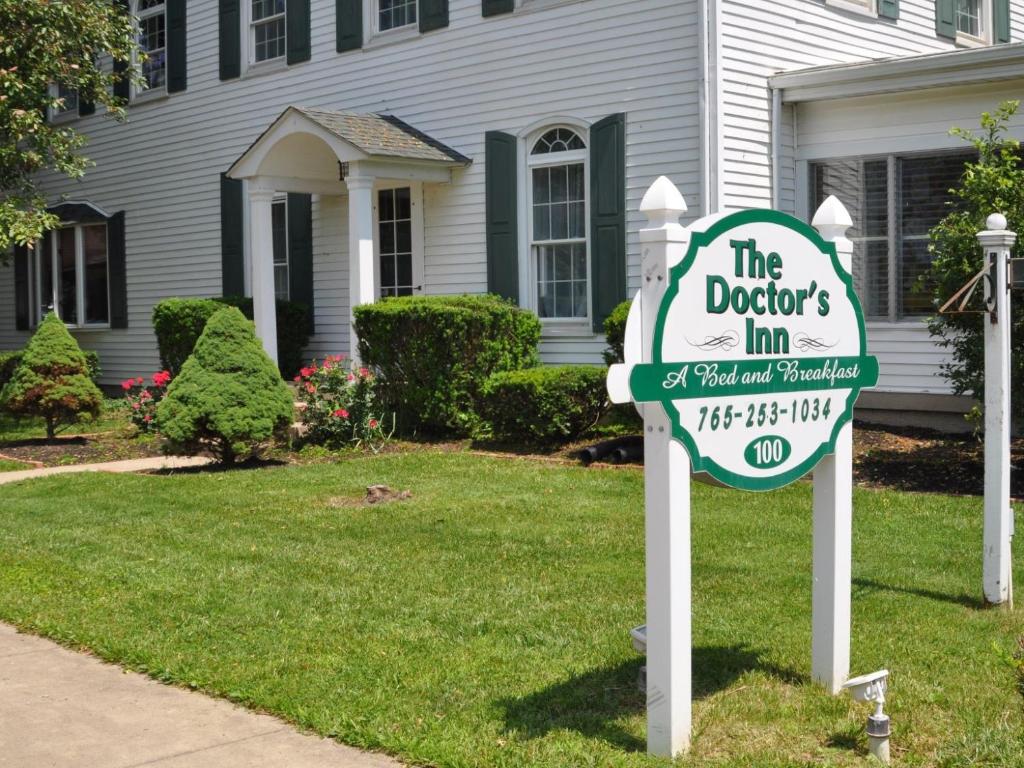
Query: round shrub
{"points": [[228, 398], [615, 333], [52, 379], [433, 353], [545, 405]]}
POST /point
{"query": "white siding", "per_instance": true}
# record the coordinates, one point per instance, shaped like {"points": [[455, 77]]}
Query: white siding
{"points": [[762, 39], [899, 122], [583, 59]]}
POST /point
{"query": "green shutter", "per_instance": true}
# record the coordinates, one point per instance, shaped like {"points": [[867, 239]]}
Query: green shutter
{"points": [[497, 7], [433, 14], [349, 21], [502, 235], [945, 18], [889, 9], [177, 48], [1001, 16], [21, 297], [122, 81], [607, 216], [117, 271], [230, 39], [232, 237], [297, 30], [300, 251]]}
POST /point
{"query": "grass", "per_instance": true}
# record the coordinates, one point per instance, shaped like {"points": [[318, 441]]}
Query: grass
{"points": [[6, 465], [484, 621], [113, 417]]}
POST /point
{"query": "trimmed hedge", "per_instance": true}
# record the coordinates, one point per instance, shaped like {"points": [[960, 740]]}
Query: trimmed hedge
{"points": [[10, 360], [615, 333], [178, 324], [545, 405], [432, 355]]}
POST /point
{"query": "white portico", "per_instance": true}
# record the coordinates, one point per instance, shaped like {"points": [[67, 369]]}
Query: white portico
{"points": [[318, 152]]}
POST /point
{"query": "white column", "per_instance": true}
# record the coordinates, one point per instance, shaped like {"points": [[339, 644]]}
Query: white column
{"points": [[667, 501], [262, 242], [996, 242], [833, 513], [362, 288]]}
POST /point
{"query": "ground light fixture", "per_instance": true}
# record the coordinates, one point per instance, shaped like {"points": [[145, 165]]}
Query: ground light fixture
{"points": [[871, 688]]}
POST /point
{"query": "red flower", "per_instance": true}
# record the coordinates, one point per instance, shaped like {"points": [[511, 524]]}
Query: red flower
{"points": [[341, 413], [127, 384], [306, 372], [140, 381], [297, 378], [147, 418], [162, 378], [373, 423], [364, 372], [351, 377]]}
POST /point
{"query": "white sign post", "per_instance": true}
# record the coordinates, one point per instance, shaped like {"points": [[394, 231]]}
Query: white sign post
{"points": [[996, 242], [745, 350]]}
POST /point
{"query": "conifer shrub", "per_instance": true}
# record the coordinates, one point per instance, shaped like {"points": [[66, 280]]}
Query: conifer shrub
{"points": [[52, 379], [9, 362], [228, 398], [544, 405], [432, 355]]}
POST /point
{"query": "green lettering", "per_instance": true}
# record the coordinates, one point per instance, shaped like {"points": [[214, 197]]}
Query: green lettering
{"points": [[715, 306]]}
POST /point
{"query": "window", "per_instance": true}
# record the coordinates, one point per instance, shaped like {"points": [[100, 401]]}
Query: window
{"points": [[152, 29], [68, 104], [267, 29], [70, 275], [279, 228], [894, 201], [558, 224], [394, 227], [392, 14], [968, 17]]}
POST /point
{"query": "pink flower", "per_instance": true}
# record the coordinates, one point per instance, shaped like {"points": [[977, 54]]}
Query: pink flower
{"points": [[136, 406], [306, 372], [310, 388], [140, 381], [373, 423], [147, 418], [341, 413], [351, 377], [127, 384], [364, 372], [297, 378]]}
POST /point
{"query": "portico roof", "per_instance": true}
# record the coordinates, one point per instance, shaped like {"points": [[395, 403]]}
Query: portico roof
{"points": [[353, 137]]}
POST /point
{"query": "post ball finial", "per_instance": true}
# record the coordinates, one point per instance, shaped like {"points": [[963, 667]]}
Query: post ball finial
{"points": [[663, 202], [995, 222]]}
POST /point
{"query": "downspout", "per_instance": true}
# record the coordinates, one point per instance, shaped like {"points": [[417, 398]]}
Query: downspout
{"points": [[708, 104], [776, 147]]}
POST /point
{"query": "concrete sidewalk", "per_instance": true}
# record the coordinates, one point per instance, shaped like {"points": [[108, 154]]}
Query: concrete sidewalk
{"points": [[59, 708], [128, 465]]}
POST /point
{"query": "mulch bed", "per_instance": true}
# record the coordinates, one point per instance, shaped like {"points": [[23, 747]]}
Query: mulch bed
{"points": [[80, 449]]}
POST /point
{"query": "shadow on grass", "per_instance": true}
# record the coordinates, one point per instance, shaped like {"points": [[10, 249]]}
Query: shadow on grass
{"points": [[214, 468], [593, 703], [964, 599], [57, 442]]}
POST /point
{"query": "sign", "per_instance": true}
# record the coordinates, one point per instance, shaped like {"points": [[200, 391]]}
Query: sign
{"points": [[759, 350]]}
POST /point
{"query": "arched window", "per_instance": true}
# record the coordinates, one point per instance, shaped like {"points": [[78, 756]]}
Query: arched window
{"points": [[557, 163]]}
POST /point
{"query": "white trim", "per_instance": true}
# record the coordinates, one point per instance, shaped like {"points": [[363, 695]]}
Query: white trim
{"points": [[931, 70], [863, 7]]}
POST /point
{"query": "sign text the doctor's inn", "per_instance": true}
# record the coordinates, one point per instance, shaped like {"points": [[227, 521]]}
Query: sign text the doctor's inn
{"points": [[759, 350]]}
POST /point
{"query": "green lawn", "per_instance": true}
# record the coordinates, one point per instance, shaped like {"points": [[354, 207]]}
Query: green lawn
{"points": [[113, 417], [7, 465], [484, 622]]}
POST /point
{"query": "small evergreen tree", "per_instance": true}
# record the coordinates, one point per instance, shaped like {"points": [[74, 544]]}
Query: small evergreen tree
{"points": [[994, 183], [52, 380], [229, 397]]}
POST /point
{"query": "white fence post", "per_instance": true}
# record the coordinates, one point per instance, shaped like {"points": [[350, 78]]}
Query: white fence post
{"points": [[996, 241], [667, 497], [833, 512]]}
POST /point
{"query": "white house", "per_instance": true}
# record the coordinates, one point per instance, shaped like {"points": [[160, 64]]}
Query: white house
{"points": [[336, 151]]}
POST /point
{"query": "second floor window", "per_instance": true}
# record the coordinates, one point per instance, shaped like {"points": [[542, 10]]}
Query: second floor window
{"points": [[969, 17], [152, 21], [393, 14], [267, 29], [68, 102]]}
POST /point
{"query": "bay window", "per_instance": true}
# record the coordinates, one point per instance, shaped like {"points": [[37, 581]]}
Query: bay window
{"points": [[558, 225], [894, 202], [69, 276]]}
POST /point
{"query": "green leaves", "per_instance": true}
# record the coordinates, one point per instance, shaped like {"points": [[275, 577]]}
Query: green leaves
{"points": [[45, 45]]}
